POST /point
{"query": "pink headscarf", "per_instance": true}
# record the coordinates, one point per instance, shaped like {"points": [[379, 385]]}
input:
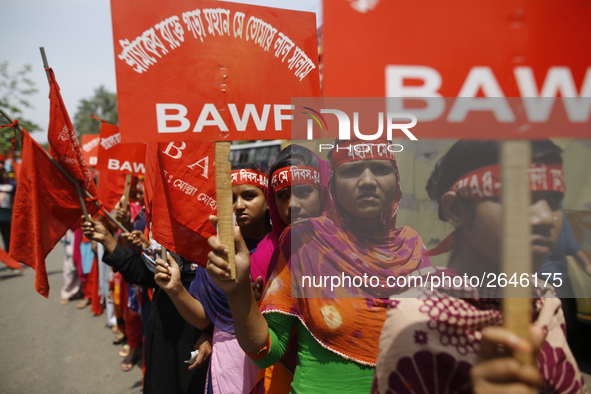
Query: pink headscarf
{"points": [[261, 258]]}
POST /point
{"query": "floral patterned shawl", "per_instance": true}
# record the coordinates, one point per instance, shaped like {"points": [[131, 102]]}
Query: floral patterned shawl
{"points": [[430, 342]]}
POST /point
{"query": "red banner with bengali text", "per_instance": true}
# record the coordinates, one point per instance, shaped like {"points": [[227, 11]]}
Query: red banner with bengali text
{"points": [[117, 157], [195, 70], [180, 196]]}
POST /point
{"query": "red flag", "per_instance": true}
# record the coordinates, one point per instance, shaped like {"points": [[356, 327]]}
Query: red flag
{"points": [[46, 205], [64, 145], [180, 186]]}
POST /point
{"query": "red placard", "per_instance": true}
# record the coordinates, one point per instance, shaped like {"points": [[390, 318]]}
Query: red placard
{"points": [[503, 49], [180, 197], [118, 157], [209, 70], [90, 143]]}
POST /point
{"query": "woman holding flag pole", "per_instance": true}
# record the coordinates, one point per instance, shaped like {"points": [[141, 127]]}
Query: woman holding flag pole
{"points": [[337, 334]]}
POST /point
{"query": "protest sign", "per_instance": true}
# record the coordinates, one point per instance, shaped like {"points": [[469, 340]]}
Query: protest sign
{"points": [[118, 157], [468, 64], [471, 70], [210, 70]]}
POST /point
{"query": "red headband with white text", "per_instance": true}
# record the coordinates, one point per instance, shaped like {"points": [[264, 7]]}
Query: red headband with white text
{"points": [[295, 175], [246, 176], [357, 150], [485, 182]]}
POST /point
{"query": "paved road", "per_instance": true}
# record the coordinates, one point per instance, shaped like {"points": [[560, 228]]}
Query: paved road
{"points": [[49, 348]]}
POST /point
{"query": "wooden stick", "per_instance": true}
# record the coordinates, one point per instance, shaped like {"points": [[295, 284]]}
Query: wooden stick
{"points": [[516, 240], [223, 184], [125, 201], [67, 175], [163, 253], [82, 202]]}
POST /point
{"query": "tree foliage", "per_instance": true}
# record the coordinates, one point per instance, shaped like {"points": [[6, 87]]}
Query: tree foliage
{"points": [[103, 105], [15, 89]]}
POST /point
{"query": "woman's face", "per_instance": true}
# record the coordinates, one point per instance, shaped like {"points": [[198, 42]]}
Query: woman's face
{"points": [[483, 227], [297, 202], [250, 205], [365, 188]]}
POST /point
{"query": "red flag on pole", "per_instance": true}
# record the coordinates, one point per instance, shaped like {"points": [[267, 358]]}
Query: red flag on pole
{"points": [[180, 193], [46, 205], [64, 145]]}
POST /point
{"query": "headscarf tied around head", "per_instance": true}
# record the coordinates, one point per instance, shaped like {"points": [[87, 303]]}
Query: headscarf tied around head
{"points": [[356, 150], [261, 258], [346, 319]]}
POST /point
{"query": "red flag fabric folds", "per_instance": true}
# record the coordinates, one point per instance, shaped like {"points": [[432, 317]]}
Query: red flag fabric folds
{"points": [[110, 188], [46, 205], [64, 145], [9, 261], [180, 196]]}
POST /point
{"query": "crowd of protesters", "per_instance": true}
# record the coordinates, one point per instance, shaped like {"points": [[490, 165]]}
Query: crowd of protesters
{"points": [[195, 331]]}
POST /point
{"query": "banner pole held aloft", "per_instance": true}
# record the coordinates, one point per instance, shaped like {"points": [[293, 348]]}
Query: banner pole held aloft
{"points": [[515, 157], [223, 185], [125, 201]]}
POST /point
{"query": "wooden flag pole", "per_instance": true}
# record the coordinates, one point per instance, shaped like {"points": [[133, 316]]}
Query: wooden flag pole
{"points": [[74, 181], [163, 253], [78, 187], [515, 157], [125, 201], [223, 185]]}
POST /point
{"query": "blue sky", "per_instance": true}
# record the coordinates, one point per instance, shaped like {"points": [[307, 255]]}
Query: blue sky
{"points": [[78, 41]]}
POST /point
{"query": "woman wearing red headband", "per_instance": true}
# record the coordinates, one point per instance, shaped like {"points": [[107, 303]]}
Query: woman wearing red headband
{"points": [[356, 238], [291, 198], [204, 303], [449, 339]]}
